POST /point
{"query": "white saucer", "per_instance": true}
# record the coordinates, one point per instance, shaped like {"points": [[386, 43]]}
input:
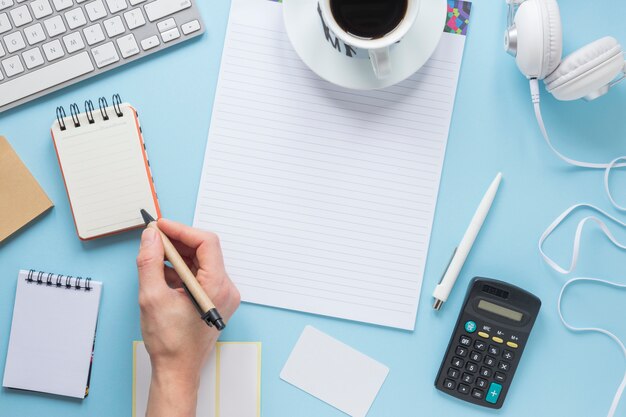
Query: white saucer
{"points": [[305, 31]]}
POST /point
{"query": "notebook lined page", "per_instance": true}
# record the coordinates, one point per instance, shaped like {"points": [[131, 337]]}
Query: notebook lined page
{"points": [[323, 197], [105, 172]]}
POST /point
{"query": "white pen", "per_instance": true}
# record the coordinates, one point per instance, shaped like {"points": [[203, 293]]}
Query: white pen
{"points": [[442, 291]]}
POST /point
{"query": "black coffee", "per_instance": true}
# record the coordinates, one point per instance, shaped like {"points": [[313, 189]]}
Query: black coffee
{"points": [[369, 19]]}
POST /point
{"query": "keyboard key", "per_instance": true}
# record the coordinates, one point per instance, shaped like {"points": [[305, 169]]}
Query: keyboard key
{"points": [[75, 18], [461, 351], [94, 34], [457, 362], [475, 356], [504, 366], [478, 394], [5, 24], [481, 383], [117, 5], [53, 50], [62, 4], [134, 18], [128, 45], [508, 355], [453, 373], [166, 25], [5, 4], [136, 2], [33, 58], [160, 8], [14, 42], [95, 10], [191, 27], [490, 361], [483, 335], [12, 66], [465, 341], [499, 376], [449, 384], [41, 8], [170, 35], [493, 393], [497, 339], [512, 345], [45, 77], [105, 54], [2, 53], [73, 42], [114, 26], [486, 372], [480, 345], [471, 367], [463, 389], [21, 16], [149, 43], [1, 76], [54, 26], [494, 350], [467, 378], [35, 34]]}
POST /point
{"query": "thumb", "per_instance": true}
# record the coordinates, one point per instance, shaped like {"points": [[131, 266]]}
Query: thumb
{"points": [[150, 261]]}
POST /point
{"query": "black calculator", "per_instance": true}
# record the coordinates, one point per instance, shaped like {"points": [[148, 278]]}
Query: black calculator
{"points": [[487, 342]]}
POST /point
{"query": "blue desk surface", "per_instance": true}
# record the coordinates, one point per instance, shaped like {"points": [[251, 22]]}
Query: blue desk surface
{"points": [[493, 130]]}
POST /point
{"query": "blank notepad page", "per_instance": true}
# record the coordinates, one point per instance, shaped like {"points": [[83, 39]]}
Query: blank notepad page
{"points": [[323, 197]]}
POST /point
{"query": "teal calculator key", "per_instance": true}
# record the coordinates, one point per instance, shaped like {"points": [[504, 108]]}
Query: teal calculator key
{"points": [[470, 326], [493, 393]]}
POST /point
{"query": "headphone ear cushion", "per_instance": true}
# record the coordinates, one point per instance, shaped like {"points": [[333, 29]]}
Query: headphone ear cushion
{"points": [[539, 37], [586, 70]]}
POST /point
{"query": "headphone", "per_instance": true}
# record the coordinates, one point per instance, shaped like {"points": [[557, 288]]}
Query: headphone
{"points": [[534, 37]]}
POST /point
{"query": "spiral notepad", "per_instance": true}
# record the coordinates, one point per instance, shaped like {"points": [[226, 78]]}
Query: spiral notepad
{"points": [[105, 167], [52, 334]]}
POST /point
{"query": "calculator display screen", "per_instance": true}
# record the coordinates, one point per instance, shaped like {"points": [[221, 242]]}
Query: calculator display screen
{"points": [[499, 310]]}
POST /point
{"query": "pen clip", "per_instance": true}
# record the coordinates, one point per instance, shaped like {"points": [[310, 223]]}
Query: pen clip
{"points": [[448, 266], [195, 303]]}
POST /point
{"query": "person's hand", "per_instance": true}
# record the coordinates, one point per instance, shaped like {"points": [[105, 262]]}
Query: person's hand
{"points": [[177, 340]]}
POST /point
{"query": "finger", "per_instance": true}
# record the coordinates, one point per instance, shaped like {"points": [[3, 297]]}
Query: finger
{"points": [[205, 244], [150, 263], [172, 278]]}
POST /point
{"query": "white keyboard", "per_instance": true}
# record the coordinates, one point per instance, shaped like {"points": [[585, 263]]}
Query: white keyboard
{"points": [[46, 45]]}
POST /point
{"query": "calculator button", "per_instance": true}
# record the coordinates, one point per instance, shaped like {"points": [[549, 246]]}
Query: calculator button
{"points": [[461, 351], [478, 394], [449, 384], [465, 341], [481, 383], [464, 389], [512, 344], [504, 366], [508, 355], [497, 339], [480, 345], [490, 361], [486, 372], [475, 356], [494, 350], [499, 376], [457, 362], [453, 373], [471, 366], [470, 326], [483, 335], [493, 393], [467, 378]]}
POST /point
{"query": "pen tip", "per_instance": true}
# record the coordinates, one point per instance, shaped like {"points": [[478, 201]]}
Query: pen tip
{"points": [[147, 218]]}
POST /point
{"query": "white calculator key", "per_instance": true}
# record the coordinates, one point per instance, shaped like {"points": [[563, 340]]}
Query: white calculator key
{"points": [[149, 43], [21, 16], [53, 50], [95, 10], [114, 26], [105, 54], [2, 53], [190, 27], [12, 66], [14, 42], [166, 25], [41, 8], [5, 24], [75, 18], [35, 34], [116, 5], [136, 2], [33, 58], [5, 4], [128, 45], [170, 35], [161, 8], [134, 18], [54, 25], [93, 34], [73, 42], [62, 4]]}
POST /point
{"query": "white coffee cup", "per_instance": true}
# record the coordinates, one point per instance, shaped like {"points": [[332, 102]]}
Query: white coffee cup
{"points": [[377, 49]]}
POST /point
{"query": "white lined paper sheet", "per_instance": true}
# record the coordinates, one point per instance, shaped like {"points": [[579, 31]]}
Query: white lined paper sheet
{"points": [[323, 197]]}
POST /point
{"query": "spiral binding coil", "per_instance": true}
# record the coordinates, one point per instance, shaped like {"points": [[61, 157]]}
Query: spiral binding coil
{"points": [[58, 280], [89, 111]]}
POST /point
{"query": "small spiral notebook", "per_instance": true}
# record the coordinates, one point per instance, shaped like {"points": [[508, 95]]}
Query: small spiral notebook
{"points": [[52, 334], [105, 167]]}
